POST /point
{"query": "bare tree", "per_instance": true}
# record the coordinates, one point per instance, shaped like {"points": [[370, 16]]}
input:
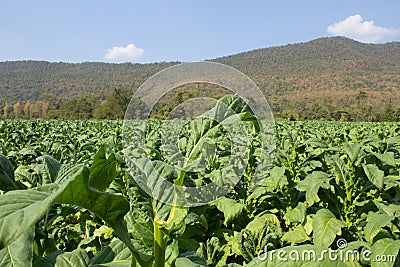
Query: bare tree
{"points": [[6, 110], [28, 110], [17, 110]]}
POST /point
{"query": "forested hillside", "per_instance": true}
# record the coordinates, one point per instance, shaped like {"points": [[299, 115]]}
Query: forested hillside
{"points": [[327, 78], [29, 80]]}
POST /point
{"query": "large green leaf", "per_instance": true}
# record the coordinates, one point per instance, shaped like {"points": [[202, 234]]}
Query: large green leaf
{"points": [[176, 217], [214, 252], [352, 150], [259, 221], [325, 228], [340, 169], [7, 181], [389, 209], [150, 176], [21, 209], [296, 236], [235, 103], [232, 105], [296, 215], [140, 226], [229, 114], [50, 169], [190, 259], [115, 254], [189, 262], [103, 170], [374, 174], [20, 252], [111, 208], [312, 184], [230, 208], [171, 253], [384, 248], [48, 261], [26, 207], [72, 259], [375, 223], [386, 158], [141, 259], [278, 177]]}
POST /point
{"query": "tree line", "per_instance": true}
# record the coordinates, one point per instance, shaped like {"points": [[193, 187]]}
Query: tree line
{"points": [[114, 105], [86, 106]]}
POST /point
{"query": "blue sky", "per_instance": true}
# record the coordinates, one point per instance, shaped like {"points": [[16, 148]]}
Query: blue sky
{"points": [[187, 30]]}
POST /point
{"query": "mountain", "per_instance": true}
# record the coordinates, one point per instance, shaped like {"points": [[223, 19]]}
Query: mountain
{"points": [[29, 80], [325, 75], [335, 71]]}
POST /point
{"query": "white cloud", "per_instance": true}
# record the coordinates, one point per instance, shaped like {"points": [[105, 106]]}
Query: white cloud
{"points": [[364, 31], [127, 53]]}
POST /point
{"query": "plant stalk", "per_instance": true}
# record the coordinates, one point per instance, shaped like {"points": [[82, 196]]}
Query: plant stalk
{"points": [[159, 243]]}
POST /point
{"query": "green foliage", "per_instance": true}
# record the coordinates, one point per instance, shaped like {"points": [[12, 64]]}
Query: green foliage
{"points": [[325, 228], [80, 108], [114, 106], [75, 202]]}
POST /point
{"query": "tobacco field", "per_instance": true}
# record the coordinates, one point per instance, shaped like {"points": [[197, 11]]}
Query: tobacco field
{"points": [[68, 197]]}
